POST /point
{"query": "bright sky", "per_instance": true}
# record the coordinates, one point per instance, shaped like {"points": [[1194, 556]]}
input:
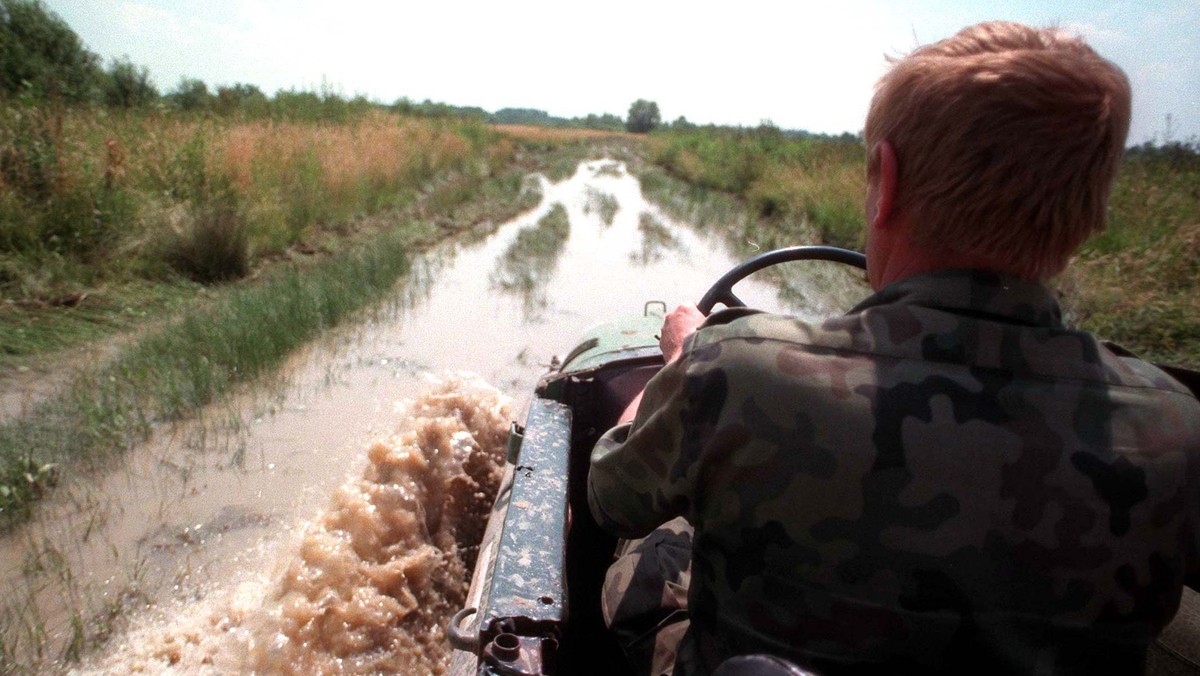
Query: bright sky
{"points": [[801, 64]]}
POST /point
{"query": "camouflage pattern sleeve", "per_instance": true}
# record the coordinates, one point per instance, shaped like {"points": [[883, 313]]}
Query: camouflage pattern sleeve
{"points": [[636, 482], [643, 473]]}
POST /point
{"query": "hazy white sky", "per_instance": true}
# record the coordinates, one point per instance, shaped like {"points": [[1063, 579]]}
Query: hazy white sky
{"points": [[804, 65]]}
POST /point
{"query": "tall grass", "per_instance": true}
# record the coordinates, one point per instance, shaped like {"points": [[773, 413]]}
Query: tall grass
{"points": [[1138, 282], [92, 202], [803, 187], [296, 177]]}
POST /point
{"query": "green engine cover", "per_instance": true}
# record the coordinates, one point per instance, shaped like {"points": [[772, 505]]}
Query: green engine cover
{"points": [[623, 339]]}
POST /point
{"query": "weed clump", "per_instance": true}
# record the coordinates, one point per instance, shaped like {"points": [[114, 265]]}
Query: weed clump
{"points": [[602, 203], [214, 245], [528, 264]]}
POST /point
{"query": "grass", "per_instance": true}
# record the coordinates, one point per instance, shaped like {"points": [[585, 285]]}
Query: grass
{"points": [[604, 204], [230, 335], [800, 187], [171, 372], [1138, 282], [94, 203], [1135, 284], [529, 262], [707, 210]]}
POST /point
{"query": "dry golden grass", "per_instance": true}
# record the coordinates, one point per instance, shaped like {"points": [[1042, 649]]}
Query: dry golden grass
{"points": [[347, 165], [526, 132], [105, 193]]}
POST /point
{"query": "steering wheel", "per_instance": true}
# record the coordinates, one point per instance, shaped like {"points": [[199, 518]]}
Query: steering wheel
{"points": [[722, 290]]}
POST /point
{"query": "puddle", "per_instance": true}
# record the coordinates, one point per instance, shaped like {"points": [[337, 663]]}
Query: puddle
{"points": [[204, 549]]}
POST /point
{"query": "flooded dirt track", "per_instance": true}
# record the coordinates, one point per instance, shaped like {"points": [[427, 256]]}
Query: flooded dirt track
{"points": [[273, 535]]}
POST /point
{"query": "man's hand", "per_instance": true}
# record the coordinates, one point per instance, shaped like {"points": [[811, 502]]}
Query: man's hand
{"points": [[676, 326]]}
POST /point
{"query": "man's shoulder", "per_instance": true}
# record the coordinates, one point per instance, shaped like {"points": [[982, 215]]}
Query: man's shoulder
{"points": [[1138, 372], [756, 327]]}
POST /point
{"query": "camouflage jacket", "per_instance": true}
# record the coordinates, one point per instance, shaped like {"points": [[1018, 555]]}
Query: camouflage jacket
{"points": [[945, 478]]}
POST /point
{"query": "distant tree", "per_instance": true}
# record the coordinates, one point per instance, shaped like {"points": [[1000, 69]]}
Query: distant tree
{"points": [[606, 121], [404, 106], [127, 85], [41, 55], [643, 116], [521, 116], [191, 94], [294, 104], [246, 98], [681, 124]]}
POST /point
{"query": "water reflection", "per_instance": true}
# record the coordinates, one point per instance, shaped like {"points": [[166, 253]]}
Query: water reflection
{"points": [[603, 204], [200, 509], [529, 263], [657, 240]]}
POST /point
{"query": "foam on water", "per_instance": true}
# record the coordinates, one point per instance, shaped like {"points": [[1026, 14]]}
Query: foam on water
{"points": [[373, 579]]}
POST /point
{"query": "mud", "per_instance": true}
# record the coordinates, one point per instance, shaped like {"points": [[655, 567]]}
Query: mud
{"points": [[253, 539], [374, 576]]}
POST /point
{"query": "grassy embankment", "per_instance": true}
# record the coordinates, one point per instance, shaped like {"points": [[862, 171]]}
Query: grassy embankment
{"points": [[803, 190], [1136, 284], [108, 221]]}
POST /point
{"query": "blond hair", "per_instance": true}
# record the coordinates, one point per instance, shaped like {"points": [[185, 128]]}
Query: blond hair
{"points": [[1007, 138]]}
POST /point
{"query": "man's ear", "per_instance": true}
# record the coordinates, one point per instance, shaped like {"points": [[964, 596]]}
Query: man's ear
{"points": [[887, 182]]}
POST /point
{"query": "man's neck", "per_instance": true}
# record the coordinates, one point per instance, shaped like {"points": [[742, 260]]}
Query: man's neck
{"points": [[906, 260]]}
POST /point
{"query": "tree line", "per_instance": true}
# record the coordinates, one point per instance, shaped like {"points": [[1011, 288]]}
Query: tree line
{"points": [[42, 60]]}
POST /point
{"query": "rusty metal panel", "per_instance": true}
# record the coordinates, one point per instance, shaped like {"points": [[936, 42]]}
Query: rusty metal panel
{"points": [[529, 578]]}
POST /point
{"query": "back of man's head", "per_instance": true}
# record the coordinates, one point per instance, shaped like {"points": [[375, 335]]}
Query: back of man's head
{"points": [[1007, 139]]}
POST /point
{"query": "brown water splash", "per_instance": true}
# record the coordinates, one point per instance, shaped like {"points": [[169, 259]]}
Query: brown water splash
{"points": [[375, 576]]}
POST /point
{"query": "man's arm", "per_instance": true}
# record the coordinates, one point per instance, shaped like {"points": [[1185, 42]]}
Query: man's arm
{"points": [[630, 489], [677, 326]]}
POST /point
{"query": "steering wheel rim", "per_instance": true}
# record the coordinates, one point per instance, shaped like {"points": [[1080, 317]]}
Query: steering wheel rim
{"points": [[722, 290]]}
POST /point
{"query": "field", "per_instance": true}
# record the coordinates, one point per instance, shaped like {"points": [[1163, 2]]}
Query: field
{"points": [[219, 243], [1135, 284], [212, 231], [113, 214]]}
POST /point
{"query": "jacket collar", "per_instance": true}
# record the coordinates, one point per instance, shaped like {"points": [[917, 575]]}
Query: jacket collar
{"points": [[976, 293]]}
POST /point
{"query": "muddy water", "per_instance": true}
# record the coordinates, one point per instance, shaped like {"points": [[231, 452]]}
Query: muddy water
{"points": [[276, 534]]}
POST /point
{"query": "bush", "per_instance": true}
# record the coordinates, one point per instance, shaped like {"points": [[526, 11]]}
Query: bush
{"points": [[191, 94], [50, 201], [41, 56], [127, 85], [213, 245]]}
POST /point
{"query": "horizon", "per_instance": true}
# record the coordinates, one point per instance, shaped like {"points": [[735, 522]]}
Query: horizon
{"points": [[696, 60]]}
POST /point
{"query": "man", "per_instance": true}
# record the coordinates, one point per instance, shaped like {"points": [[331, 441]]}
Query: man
{"points": [[945, 479]]}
